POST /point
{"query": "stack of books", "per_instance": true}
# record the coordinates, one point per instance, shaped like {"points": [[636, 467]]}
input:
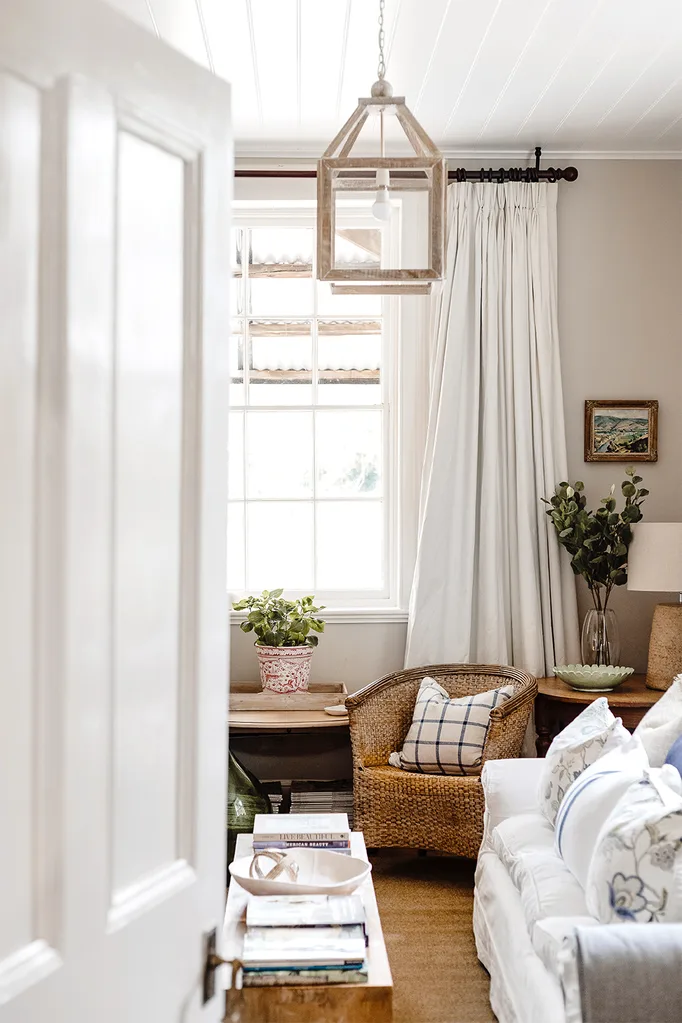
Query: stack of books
{"points": [[301, 831], [322, 797], [305, 939]]}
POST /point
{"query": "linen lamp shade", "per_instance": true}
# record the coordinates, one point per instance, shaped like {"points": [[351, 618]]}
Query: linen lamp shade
{"points": [[655, 564]]}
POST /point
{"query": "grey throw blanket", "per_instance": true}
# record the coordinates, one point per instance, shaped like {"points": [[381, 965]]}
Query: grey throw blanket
{"points": [[630, 973]]}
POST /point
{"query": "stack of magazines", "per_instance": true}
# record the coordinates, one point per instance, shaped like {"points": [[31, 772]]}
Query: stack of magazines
{"points": [[305, 939], [323, 797], [275, 794], [303, 830]]}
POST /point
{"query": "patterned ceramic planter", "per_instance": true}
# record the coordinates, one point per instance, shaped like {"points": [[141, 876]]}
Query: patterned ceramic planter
{"points": [[284, 669]]}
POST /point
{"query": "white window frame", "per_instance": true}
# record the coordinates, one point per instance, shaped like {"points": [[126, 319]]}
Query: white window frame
{"points": [[404, 369]]}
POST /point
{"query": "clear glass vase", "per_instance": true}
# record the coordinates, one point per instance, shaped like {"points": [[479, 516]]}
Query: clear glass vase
{"points": [[600, 642]]}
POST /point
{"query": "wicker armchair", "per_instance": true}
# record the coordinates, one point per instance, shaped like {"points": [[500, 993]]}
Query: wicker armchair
{"points": [[426, 811]]}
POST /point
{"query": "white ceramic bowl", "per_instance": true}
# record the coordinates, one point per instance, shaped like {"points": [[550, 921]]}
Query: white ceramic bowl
{"points": [[592, 678], [320, 872]]}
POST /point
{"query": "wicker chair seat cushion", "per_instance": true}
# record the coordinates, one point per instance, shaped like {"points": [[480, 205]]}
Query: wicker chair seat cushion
{"points": [[447, 736], [422, 811]]}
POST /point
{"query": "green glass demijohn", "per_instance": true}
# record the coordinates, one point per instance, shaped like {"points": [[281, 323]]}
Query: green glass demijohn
{"points": [[245, 798]]}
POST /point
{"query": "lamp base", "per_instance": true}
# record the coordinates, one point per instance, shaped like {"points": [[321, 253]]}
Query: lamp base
{"points": [[665, 646]]}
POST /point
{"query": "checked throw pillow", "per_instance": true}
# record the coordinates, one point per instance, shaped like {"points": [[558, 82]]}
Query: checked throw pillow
{"points": [[447, 736]]}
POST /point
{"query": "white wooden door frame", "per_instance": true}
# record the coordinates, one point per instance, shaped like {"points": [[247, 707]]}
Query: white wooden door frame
{"points": [[85, 950]]}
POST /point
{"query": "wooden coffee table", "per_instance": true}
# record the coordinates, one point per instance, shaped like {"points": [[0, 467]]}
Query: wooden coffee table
{"points": [[351, 1003], [557, 703]]}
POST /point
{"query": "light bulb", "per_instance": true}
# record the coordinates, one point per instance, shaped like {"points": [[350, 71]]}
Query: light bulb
{"points": [[381, 208]]}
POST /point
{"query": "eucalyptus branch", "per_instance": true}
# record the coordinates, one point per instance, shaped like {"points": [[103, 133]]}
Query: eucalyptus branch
{"points": [[597, 541]]}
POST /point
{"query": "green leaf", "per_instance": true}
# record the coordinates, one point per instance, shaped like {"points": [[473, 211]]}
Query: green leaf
{"points": [[628, 490], [565, 532], [246, 626], [277, 593]]}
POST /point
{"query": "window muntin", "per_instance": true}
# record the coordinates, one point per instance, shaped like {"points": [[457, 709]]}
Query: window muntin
{"points": [[310, 440]]}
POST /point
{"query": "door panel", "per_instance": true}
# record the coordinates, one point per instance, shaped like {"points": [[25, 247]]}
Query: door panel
{"points": [[148, 418], [19, 253], [115, 170]]}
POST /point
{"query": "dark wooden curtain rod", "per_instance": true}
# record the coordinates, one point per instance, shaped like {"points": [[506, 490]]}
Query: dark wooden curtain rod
{"points": [[460, 174]]}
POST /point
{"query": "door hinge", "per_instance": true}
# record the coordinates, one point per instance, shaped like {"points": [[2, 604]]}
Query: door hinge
{"points": [[211, 963]]}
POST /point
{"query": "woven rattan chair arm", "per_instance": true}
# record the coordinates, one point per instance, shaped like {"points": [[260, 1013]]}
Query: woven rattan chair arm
{"points": [[523, 695], [379, 717], [374, 689], [508, 724]]}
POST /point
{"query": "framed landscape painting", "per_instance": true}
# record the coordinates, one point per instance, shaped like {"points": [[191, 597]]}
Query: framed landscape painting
{"points": [[621, 431]]}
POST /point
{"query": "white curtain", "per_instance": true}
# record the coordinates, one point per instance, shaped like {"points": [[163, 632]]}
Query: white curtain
{"points": [[491, 584]]}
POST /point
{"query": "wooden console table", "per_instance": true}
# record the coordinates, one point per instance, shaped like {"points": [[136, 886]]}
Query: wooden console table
{"points": [[285, 744], [557, 704]]}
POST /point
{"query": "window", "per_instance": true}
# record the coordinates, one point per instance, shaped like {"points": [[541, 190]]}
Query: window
{"points": [[313, 440]]}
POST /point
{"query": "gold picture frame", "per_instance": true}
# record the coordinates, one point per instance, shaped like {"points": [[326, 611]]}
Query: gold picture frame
{"points": [[621, 430]]}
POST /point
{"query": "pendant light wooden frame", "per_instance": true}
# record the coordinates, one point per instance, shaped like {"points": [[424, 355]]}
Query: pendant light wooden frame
{"points": [[428, 165]]}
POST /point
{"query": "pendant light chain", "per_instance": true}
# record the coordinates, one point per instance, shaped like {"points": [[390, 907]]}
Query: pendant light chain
{"points": [[381, 70]]}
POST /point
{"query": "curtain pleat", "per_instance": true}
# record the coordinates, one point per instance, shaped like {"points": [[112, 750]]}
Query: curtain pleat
{"points": [[490, 584]]}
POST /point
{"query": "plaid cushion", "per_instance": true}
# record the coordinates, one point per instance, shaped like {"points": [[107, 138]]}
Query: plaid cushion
{"points": [[447, 736]]}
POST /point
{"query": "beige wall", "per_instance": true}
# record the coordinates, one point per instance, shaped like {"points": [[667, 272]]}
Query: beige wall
{"points": [[620, 317]]}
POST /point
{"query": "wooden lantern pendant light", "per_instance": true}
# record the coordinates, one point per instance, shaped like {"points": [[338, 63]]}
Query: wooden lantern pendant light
{"points": [[419, 181]]}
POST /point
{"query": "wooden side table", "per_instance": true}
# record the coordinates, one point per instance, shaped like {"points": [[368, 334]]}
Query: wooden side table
{"points": [[557, 704]]}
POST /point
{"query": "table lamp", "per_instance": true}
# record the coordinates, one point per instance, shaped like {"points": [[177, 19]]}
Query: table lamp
{"points": [[655, 564]]}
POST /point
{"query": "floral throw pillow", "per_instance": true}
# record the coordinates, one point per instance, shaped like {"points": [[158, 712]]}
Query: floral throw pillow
{"points": [[635, 875], [583, 741]]}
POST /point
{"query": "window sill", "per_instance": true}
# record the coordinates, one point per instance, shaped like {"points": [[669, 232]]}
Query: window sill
{"points": [[350, 616]]}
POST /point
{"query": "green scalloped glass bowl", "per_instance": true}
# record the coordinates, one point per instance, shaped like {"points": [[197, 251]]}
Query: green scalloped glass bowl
{"points": [[592, 678]]}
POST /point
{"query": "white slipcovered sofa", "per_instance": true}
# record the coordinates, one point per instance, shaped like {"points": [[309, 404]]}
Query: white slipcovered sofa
{"points": [[528, 908]]}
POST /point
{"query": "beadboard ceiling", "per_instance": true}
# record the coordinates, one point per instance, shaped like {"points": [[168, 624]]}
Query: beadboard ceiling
{"points": [[579, 77]]}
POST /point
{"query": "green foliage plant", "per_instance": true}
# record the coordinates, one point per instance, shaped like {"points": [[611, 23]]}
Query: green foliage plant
{"points": [[279, 622], [597, 541]]}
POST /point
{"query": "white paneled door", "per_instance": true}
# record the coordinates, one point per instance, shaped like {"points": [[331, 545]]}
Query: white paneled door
{"points": [[115, 171]]}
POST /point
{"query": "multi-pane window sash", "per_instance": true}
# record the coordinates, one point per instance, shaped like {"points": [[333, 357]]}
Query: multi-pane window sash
{"points": [[310, 502]]}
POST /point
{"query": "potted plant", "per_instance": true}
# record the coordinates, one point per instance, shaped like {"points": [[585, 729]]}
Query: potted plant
{"points": [[286, 637], [598, 543]]}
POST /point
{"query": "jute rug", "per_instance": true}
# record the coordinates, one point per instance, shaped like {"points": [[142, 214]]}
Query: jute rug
{"points": [[425, 905]]}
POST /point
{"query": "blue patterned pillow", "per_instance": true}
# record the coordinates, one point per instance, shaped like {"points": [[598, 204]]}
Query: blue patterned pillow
{"points": [[635, 874], [594, 732], [675, 755]]}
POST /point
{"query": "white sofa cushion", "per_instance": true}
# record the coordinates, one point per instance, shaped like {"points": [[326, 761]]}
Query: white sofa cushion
{"points": [[510, 787], [447, 736], [589, 736], [590, 799], [521, 989], [525, 845], [635, 874], [550, 934], [662, 724]]}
